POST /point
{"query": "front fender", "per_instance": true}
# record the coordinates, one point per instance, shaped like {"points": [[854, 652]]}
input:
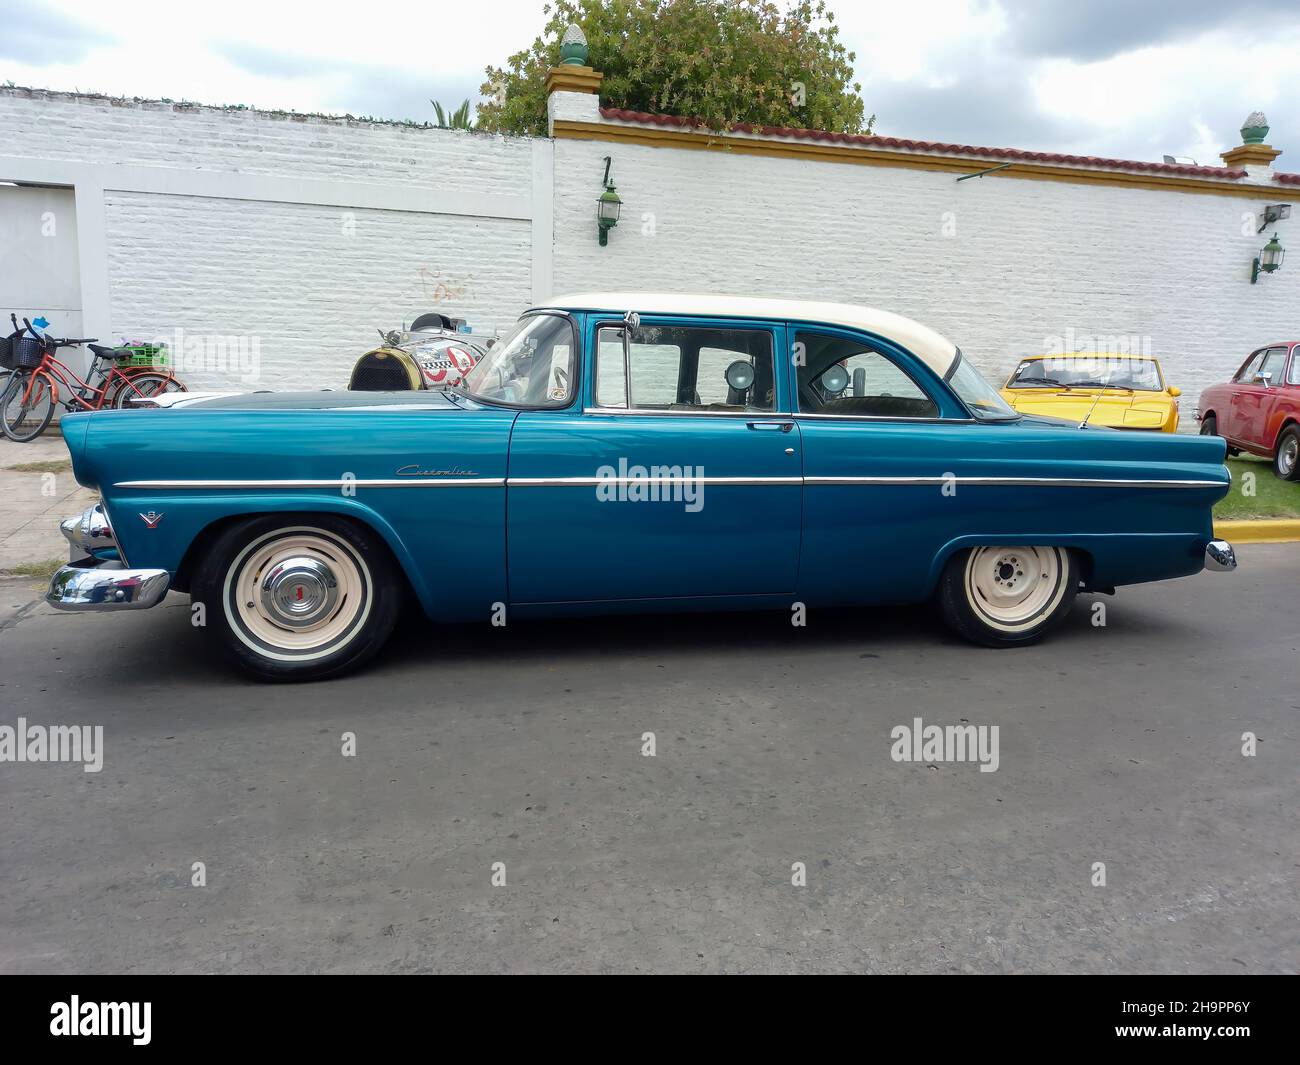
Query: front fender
{"points": [[468, 582]]}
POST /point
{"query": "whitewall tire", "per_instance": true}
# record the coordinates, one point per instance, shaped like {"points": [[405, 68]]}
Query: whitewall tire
{"points": [[299, 599], [1002, 596]]}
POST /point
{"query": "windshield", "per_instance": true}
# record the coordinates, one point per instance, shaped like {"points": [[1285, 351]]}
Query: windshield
{"points": [[1089, 371], [532, 367], [980, 397]]}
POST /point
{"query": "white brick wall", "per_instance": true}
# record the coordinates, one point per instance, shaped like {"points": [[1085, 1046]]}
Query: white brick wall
{"points": [[288, 275], [1028, 259], [304, 285], [85, 129], [999, 264]]}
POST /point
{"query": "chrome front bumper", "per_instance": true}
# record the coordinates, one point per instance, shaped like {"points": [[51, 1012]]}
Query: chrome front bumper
{"points": [[93, 585], [1220, 557], [101, 581]]}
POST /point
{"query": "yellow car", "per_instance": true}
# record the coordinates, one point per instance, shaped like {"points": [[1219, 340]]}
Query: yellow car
{"points": [[1122, 391]]}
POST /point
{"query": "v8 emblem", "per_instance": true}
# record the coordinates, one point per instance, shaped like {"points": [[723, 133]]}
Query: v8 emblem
{"points": [[151, 519]]}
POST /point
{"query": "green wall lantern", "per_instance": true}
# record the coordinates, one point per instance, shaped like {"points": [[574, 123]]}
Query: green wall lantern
{"points": [[1268, 260], [608, 206]]}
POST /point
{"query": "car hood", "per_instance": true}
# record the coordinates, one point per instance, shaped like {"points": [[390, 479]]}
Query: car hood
{"points": [[1121, 410]]}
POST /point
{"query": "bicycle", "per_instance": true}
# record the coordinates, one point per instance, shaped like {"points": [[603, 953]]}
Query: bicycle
{"points": [[28, 401]]}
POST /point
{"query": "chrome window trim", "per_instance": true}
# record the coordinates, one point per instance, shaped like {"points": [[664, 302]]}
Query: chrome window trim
{"points": [[751, 415], [889, 418]]}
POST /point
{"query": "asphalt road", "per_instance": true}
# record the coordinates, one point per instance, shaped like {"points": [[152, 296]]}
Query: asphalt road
{"points": [[1118, 744]]}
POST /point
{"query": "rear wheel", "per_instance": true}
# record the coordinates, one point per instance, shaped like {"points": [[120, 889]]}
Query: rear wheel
{"points": [[1286, 460], [26, 406], [1006, 596], [299, 599], [144, 386]]}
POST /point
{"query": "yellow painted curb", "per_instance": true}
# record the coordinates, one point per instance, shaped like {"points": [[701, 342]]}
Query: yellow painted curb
{"points": [[1263, 531]]}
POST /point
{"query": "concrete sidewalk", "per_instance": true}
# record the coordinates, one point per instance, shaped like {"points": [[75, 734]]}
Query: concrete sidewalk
{"points": [[37, 491]]}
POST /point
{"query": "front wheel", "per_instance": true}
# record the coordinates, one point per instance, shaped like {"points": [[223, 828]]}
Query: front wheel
{"points": [[26, 406], [145, 386], [1007, 596], [1210, 427], [299, 599], [1286, 460]]}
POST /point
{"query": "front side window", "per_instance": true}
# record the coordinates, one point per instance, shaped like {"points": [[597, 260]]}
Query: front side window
{"points": [[848, 377], [533, 367], [684, 368], [1247, 372]]}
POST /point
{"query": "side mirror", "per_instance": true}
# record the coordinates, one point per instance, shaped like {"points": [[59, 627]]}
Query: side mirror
{"points": [[1175, 391], [1263, 378]]}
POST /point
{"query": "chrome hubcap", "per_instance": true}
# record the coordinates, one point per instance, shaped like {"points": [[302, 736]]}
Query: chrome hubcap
{"points": [[298, 591], [1287, 456]]}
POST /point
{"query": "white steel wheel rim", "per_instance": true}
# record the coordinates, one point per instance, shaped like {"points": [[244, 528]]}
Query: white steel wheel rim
{"points": [[1013, 589], [1287, 454], [297, 594]]}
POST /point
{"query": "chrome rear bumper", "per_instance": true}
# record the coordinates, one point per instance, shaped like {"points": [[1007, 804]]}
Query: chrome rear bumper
{"points": [[92, 585], [1220, 556]]}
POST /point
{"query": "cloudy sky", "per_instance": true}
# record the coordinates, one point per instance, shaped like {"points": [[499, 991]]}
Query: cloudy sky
{"points": [[1123, 78]]}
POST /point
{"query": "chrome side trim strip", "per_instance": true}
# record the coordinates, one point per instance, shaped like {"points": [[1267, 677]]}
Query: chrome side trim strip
{"points": [[359, 482], [1065, 482], [571, 482], [651, 478]]}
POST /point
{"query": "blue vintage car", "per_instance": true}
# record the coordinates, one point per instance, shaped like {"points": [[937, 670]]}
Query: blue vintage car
{"points": [[631, 452]]}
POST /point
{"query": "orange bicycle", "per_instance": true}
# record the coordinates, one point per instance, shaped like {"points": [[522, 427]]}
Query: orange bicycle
{"points": [[32, 389]]}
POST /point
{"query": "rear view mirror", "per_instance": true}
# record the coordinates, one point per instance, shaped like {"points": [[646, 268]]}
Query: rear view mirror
{"points": [[1175, 391], [1263, 378]]}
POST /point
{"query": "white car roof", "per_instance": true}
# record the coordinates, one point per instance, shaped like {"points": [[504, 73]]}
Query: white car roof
{"points": [[934, 350]]}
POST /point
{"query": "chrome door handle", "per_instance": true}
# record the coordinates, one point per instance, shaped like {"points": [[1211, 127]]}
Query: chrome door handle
{"points": [[772, 427]]}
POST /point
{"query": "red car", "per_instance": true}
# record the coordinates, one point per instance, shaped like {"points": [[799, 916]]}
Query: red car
{"points": [[1259, 409]]}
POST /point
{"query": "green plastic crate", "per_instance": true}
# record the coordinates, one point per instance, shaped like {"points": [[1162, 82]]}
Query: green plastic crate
{"points": [[147, 355]]}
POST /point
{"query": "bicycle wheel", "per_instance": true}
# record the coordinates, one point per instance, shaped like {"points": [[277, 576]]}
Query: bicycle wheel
{"points": [[26, 406], [144, 386]]}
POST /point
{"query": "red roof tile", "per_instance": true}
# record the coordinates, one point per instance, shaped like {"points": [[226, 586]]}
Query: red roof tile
{"points": [[870, 141]]}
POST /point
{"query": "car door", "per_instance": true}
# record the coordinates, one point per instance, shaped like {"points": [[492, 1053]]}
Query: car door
{"points": [[877, 436], [1233, 419], [1254, 398], [677, 479]]}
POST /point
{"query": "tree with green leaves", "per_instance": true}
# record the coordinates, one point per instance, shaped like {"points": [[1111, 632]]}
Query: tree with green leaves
{"points": [[720, 61], [448, 119]]}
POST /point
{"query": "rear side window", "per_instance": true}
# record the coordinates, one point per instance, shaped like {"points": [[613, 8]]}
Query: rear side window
{"points": [[1293, 374], [1274, 360], [847, 377]]}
